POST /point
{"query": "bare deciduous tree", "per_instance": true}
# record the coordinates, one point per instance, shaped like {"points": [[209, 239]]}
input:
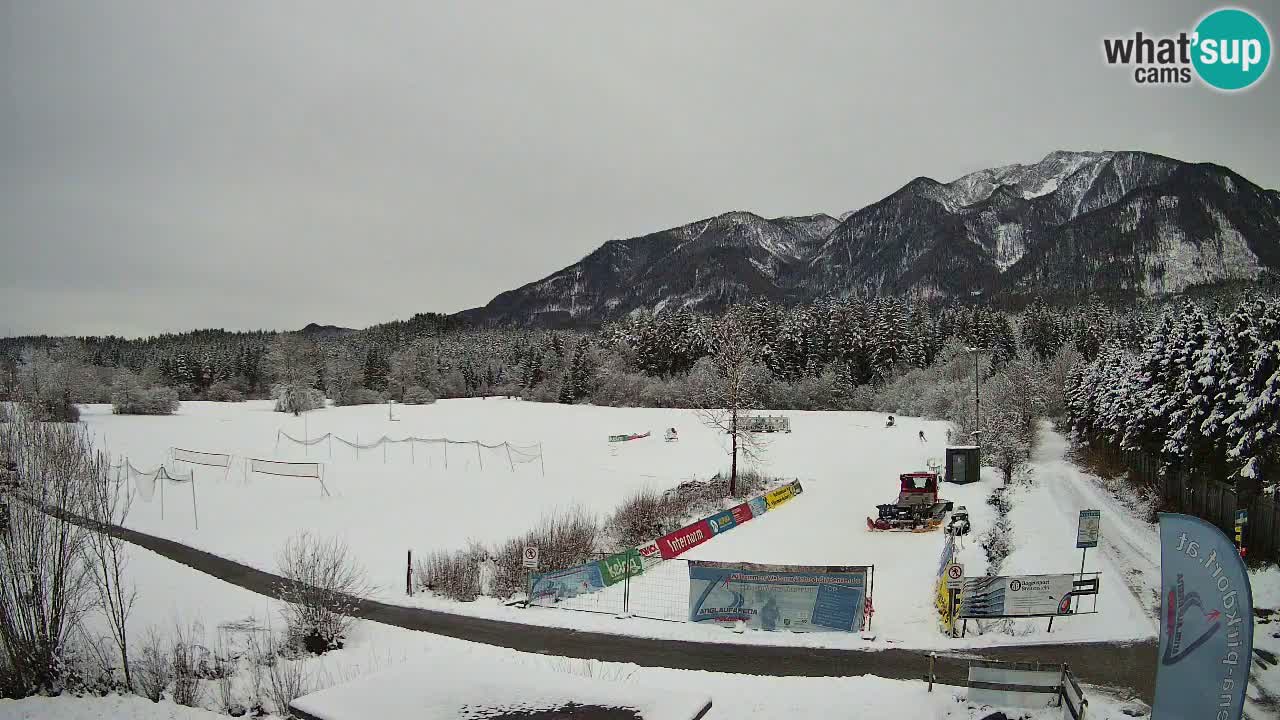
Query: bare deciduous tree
{"points": [[45, 586], [322, 584], [725, 386]]}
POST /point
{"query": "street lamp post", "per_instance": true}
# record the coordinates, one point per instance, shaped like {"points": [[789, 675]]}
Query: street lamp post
{"points": [[977, 401]]}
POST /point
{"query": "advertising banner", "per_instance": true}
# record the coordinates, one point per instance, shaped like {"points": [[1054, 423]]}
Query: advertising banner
{"points": [[563, 584], [722, 522], [617, 568], [741, 513], [774, 498], [758, 506], [1206, 633], [673, 544], [798, 598], [650, 555], [1016, 596]]}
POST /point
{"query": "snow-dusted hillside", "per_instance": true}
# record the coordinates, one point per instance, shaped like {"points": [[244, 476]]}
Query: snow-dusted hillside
{"points": [[1074, 222]]}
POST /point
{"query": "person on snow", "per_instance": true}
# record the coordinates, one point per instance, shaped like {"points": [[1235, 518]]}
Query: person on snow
{"points": [[922, 440], [890, 422], [948, 436]]}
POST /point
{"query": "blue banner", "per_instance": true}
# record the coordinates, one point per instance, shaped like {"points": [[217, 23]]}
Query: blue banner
{"points": [[563, 584], [798, 598], [1206, 629]]}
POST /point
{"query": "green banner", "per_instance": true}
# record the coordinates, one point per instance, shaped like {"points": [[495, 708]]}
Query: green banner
{"points": [[616, 568]]}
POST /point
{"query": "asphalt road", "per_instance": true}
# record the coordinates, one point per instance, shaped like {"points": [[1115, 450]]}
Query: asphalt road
{"points": [[1127, 666]]}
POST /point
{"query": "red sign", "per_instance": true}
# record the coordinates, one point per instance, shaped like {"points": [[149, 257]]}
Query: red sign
{"points": [[649, 550], [741, 513], [673, 544]]}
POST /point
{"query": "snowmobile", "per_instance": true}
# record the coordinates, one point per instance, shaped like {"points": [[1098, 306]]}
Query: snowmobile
{"points": [[959, 525], [918, 508]]}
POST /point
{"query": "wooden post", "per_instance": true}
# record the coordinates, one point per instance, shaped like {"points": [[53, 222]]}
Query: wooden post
{"points": [[408, 574], [932, 657]]}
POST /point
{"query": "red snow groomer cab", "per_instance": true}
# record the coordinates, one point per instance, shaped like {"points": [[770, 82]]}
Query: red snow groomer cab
{"points": [[918, 508]]}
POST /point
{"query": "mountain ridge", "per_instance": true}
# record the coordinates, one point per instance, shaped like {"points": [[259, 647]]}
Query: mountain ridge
{"points": [[1113, 222]]}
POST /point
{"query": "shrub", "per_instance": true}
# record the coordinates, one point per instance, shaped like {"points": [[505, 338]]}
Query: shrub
{"points": [[188, 658], [359, 396], [223, 392], [453, 575], [645, 515], [134, 400], [322, 585], [296, 398], [563, 540], [152, 668], [418, 395]]}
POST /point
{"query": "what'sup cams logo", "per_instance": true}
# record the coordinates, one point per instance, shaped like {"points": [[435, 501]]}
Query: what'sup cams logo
{"points": [[1229, 49]]}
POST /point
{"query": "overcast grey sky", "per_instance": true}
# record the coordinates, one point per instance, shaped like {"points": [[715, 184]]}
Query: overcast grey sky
{"points": [[177, 164]]}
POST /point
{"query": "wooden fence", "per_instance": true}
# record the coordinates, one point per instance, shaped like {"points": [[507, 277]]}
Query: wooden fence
{"points": [[1209, 498]]}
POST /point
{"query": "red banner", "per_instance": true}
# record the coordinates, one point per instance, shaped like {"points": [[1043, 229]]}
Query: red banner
{"points": [[673, 544], [741, 513]]}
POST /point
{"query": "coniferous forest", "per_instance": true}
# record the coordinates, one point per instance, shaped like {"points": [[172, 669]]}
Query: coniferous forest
{"points": [[1193, 382]]}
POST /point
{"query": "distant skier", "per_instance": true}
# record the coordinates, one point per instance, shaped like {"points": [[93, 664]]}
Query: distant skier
{"points": [[890, 422], [922, 440], [948, 436]]}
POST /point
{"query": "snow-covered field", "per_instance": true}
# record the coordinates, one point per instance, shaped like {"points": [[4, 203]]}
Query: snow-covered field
{"points": [[848, 463], [171, 593]]}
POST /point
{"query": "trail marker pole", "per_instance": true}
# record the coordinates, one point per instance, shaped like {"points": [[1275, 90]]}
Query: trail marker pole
{"points": [[446, 454], [509, 461], [408, 574], [541, 464], [478, 458], [306, 436], [160, 480], [357, 446]]}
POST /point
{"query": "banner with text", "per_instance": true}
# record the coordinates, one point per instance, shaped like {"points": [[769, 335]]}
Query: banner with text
{"points": [[1206, 636], [1016, 596], [798, 598], [564, 584]]}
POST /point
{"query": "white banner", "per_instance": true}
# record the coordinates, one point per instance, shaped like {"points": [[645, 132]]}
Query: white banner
{"points": [[1016, 596], [201, 458], [288, 469]]}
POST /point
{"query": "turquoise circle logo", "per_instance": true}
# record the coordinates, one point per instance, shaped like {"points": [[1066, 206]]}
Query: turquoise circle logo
{"points": [[1232, 49]]}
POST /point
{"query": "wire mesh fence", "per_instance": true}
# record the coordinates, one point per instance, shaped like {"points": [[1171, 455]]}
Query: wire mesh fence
{"points": [[661, 592]]}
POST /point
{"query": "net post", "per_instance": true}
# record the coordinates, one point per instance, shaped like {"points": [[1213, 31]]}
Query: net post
{"points": [[195, 512]]}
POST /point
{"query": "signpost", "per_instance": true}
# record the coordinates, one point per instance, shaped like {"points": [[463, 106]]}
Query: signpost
{"points": [[529, 560], [1087, 533], [955, 580]]}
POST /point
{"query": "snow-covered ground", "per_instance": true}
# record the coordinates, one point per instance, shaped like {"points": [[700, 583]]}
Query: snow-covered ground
{"points": [[172, 593], [848, 463]]}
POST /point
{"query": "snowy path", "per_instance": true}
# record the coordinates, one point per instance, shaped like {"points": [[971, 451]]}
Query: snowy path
{"points": [[1129, 543]]}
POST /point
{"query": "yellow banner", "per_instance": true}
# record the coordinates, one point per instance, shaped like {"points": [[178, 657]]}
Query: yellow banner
{"points": [[774, 498]]}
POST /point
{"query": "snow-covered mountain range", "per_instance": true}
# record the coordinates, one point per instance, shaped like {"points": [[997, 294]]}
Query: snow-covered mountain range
{"points": [[1074, 223]]}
